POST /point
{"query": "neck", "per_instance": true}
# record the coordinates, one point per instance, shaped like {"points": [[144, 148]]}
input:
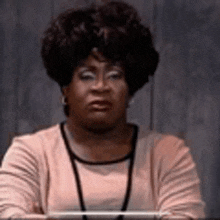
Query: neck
{"points": [[100, 145]]}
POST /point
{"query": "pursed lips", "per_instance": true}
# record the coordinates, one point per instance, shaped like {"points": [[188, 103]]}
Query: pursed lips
{"points": [[101, 105]]}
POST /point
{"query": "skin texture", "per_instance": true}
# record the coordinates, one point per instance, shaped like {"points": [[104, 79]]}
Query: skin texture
{"points": [[100, 131]]}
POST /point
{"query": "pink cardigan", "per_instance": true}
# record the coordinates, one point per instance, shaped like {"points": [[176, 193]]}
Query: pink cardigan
{"points": [[36, 178]]}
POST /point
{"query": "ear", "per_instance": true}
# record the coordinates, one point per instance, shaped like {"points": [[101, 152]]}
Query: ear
{"points": [[129, 98], [65, 91]]}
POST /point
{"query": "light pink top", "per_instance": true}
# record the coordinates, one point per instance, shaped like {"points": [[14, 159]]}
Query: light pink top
{"points": [[37, 174]]}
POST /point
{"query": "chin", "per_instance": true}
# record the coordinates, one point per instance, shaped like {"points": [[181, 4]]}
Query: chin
{"points": [[99, 127]]}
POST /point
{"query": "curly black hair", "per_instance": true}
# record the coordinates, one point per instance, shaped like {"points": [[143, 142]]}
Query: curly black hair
{"points": [[113, 28]]}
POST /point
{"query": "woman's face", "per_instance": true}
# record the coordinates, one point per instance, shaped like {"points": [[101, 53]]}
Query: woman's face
{"points": [[97, 95]]}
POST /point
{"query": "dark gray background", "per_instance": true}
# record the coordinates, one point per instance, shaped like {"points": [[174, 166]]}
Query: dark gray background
{"points": [[182, 99]]}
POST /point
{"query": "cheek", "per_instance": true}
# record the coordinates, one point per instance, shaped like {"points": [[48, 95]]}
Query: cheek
{"points": [[124, 89], [75, 100], [123, 94], [77, 91]]}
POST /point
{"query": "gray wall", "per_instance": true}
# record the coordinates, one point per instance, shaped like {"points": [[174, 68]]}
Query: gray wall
{"points": [[182, 99]]}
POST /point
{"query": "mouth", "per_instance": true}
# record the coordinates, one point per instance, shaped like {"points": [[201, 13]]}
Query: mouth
{"points": [[101, 105]]}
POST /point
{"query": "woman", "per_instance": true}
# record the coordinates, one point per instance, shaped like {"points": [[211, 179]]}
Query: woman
{"points": [[95, 160]]}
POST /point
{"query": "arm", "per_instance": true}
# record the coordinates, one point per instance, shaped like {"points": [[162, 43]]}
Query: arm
{"points": [[20, 182], [179, 185]]}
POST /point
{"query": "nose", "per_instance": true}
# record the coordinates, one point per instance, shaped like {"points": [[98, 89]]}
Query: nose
{"points": [[101, 84]]}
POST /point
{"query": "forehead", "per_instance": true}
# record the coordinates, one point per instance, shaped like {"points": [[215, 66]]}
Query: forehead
{"points": [[98, 60]]}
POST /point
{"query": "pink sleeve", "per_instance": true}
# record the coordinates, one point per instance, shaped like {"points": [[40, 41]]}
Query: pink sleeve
{"points": [[19, 182], [178, 182]]}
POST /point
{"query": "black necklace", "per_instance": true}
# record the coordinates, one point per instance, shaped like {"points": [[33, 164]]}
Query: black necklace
{"points": [[77, 177]]}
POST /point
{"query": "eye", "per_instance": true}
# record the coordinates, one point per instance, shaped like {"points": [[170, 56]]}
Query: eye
{"points": [[87, 75], [115, 74]]}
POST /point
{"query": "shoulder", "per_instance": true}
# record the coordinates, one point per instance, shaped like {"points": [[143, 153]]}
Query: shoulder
{"points": [[33, 145], [164, 149], [42, 137], [159, 141]]}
